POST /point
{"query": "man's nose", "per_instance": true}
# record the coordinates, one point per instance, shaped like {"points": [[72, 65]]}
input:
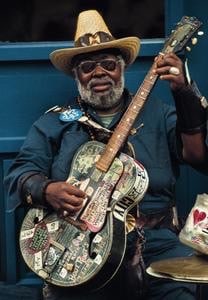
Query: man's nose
{"points": [[98, 71]]}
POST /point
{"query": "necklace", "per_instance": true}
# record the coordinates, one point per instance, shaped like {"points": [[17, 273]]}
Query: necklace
{"points": [[95, 130]]}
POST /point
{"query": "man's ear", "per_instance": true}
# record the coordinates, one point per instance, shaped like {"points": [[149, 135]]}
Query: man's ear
{"points": [[74, 73]]}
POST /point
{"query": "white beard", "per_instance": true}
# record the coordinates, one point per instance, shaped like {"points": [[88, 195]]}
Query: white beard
{"points": [[108, 100]]}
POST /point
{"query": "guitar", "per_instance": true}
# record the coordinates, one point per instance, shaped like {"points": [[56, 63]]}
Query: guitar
{"points": [[88, 248]]}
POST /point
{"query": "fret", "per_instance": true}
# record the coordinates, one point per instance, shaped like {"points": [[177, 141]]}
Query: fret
{"points": [[146, 90], [142, 97]]}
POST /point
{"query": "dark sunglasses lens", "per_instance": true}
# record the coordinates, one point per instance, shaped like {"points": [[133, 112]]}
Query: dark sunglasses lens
{"points": [[108, 64], [88, 66]]}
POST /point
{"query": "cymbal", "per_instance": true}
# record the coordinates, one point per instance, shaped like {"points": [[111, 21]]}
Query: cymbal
{"points": [[189, 269]]}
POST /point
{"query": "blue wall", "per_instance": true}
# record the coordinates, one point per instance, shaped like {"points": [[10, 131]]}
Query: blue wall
{"points": [[29, 85]]}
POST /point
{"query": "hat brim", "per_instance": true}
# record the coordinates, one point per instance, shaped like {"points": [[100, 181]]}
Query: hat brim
{"points": [[62, 58]]}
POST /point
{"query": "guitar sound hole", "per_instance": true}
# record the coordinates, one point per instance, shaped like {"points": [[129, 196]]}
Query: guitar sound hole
{"points": [[93, 255], [36, 220]]}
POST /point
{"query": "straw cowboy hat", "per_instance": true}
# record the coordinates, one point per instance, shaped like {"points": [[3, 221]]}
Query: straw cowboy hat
{"points": [[92, 34]]}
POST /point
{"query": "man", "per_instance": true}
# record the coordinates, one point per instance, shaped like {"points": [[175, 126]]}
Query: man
{"points": [[160, 141]]}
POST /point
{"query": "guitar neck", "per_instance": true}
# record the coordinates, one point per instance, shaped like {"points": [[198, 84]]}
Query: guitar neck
{"points": [[122, 130]]}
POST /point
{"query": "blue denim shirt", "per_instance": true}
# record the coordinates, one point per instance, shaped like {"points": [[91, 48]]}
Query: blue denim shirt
{"points": [[51, 144]]}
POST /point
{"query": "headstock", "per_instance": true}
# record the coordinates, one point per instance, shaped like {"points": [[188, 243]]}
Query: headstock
{"points": [[181, 35]]}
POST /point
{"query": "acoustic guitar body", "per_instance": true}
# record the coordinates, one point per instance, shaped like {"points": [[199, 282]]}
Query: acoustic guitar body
{"points": [[87, 248]]}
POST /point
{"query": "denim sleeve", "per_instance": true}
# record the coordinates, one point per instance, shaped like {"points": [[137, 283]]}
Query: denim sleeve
{"points": [[35, 156]]}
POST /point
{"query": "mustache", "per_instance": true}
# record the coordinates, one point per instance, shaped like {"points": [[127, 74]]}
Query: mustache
{"points": [[102, 80]]}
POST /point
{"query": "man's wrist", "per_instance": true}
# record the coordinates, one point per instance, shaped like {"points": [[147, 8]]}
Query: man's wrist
{"points": [[32, 188], [191, 110]]}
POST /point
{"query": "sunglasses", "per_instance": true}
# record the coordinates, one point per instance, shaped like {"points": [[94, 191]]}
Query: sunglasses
{"points": [[89, 65]]}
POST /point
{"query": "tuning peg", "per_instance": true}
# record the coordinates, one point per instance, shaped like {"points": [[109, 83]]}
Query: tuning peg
{"points": [[200, 32], [194, 41], [188, 48]]}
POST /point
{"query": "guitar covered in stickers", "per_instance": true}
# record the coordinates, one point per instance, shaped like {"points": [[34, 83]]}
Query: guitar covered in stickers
{"points": [[88, 248]]}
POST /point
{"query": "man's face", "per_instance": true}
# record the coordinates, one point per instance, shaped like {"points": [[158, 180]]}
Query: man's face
{"points": [[100, 80]]}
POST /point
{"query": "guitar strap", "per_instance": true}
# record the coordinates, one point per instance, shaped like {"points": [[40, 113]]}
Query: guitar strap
{"points": [[95, 126]]}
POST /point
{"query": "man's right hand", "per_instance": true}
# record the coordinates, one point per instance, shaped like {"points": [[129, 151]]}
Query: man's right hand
{"points": [[63, 196]]}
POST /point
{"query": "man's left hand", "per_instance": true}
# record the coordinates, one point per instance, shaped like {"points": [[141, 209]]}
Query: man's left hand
{"points": [[170, 67]]}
